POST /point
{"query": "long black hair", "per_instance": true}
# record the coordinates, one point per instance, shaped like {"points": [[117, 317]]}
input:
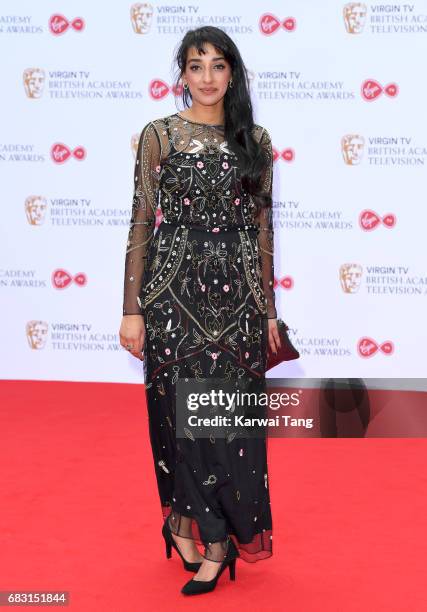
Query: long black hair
{"points": [[238, 112]]}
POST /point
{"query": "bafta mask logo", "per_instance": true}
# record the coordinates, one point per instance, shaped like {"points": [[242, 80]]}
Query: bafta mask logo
{"points": [[350, 277], [251, 77], [34, 79], [354, 14], [352, 146], [134, 144], [141, 15], [35, 209], [36, 334]]}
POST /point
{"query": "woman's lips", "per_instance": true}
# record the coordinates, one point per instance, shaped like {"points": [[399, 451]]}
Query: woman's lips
{"points": [[208, 90]]}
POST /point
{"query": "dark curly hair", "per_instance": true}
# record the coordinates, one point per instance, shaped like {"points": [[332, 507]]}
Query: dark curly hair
{"points": [[239, 122]]}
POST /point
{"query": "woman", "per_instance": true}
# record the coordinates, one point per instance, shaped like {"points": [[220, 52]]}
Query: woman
{"points": [[199, 300]]}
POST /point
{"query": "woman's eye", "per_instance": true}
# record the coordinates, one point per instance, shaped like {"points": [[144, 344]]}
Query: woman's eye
{"points": [[194, 67]]}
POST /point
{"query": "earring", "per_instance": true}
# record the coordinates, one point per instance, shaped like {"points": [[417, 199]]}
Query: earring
{"points": [[230, 83], [185, 85]]}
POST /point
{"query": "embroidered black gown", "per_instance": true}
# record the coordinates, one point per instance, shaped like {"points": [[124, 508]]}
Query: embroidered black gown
{"points": [[204, 283]]}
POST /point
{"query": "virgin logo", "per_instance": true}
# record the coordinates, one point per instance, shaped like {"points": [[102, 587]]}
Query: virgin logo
{"points": [[366, 347], [61, 279], [158, 89], [287, 282], [159, 216], [371, 90], [58, 24], [268, 24], [369, 220], [60, 153], [288, 155]]}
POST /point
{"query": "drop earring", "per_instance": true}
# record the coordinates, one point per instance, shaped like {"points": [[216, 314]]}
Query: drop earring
{"points": [[230, 83], [185, 85]]}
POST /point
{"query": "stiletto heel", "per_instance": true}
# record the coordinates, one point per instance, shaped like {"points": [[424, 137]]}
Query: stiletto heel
{"points": [[232, 570], [196, 587], [169, 541]]}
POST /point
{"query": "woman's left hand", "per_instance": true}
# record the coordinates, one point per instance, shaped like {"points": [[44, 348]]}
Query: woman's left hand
{"points": [[273, 335]]}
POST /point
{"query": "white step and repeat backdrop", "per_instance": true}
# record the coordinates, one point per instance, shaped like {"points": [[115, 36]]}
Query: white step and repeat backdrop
{"points": [[340, 86]]}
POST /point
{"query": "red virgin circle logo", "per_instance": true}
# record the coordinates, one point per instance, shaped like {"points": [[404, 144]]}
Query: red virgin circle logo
{"points": [[159, 89], [58, 24], [366, 347], [371, 90], [288, 154], [370, 220], [159, 216], [60, 153], [62, 279], [287, 282], [269, 24]]}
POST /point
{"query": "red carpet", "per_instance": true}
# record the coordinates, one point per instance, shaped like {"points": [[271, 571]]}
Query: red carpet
{"points": [[80, 513]]}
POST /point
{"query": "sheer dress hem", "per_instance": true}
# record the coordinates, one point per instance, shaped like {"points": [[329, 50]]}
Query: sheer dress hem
{"points": [[258, 548]]}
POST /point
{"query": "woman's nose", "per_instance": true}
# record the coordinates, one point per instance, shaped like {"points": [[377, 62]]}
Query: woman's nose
{"points": [[207, 76]]}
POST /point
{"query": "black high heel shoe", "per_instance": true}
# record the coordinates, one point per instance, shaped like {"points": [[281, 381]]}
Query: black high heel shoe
{"points": [[169, 541], [196, 587]]}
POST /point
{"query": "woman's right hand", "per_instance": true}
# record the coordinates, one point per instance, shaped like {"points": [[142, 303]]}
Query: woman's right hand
{"points": [[132, 334]]}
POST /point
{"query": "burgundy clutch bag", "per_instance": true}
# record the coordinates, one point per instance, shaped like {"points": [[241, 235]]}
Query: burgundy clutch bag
{"points": [[286, 352]]}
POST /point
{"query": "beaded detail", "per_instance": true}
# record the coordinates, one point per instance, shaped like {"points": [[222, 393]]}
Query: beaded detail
{"points": [[187, 171]]}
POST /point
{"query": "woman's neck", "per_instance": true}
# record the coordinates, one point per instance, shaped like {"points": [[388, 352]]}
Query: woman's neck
{"points": [[204, 114]]}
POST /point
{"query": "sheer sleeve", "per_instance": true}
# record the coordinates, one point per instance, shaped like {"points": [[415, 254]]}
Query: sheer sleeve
{"points": [[143, 217], [266, 232]]}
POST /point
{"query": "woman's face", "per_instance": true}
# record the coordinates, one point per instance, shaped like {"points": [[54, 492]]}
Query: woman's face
{"points": [[207, 75]]}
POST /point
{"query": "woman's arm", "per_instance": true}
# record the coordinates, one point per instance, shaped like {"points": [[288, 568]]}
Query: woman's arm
{"points": [[143, 217], [266, 233]]}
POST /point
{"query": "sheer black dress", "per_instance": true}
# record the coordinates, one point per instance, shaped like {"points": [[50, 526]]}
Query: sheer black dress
{"points": [[203, 280]]}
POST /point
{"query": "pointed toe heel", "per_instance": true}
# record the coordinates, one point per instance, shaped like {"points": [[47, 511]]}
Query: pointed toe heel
{"points": [[197, 587]]}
